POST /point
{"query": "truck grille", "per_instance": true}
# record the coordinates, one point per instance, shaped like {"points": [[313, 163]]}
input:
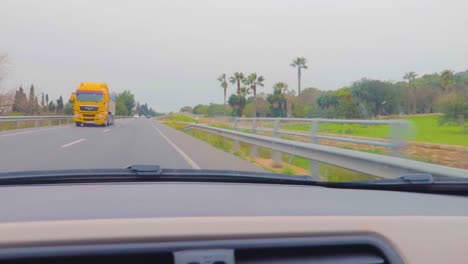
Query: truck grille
{"points": [[88, 108], [88, 115]]}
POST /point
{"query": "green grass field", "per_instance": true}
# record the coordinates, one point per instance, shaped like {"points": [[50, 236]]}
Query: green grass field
{"points": [[422, 129], [427, 129]]}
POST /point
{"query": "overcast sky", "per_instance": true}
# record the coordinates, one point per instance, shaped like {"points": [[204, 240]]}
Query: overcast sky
{"points": [[169, 53]]}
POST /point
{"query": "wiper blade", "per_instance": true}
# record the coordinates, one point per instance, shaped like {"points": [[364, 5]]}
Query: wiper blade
{"points": [[422, 178], [409, 183], [147, 173], [153, 173]]}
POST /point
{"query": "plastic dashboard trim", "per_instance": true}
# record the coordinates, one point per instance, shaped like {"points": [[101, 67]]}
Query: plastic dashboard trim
{"points": [[164, 247]]}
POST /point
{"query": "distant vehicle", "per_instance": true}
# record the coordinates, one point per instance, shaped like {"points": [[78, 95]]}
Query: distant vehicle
{"points": [[148, 116], [93, 104], [136, 116]]}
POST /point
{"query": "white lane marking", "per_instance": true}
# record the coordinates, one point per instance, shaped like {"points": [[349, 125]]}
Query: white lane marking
{"points": [[73, 143], [106, 130], [28, 132], [185, 156]]}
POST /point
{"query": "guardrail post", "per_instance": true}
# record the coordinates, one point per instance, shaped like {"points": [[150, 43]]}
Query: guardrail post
{"points": [[461, 121], [397, 141], [17, 124], [48, 123], [236, 142], [36, 123], [276, 155], [314, 165], [254, 148]]}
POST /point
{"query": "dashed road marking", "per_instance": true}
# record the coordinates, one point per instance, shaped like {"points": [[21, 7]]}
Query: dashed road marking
{"points": [[73, 143], [106, 130]]}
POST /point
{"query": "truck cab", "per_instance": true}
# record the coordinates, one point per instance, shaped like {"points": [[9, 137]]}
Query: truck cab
{"points": [[93, 104]]}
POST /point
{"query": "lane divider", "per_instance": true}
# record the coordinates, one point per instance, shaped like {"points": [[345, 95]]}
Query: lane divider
{"points": [[73, 143], [106, 130], [182, 153]]}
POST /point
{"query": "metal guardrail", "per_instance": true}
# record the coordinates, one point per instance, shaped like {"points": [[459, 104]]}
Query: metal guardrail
{"points": [[398, 129], [367, 163], [33, 118], [38, 119], [325, 120]]}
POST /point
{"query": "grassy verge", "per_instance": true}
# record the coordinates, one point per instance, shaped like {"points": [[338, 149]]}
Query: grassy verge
{"points": [[28, 124], [176, 125], [292, 164], [180, 118], [328, 172]]}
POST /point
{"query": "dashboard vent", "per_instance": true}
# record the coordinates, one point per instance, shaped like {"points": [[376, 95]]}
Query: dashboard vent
{"points": [[336, 249], [311, 255]]}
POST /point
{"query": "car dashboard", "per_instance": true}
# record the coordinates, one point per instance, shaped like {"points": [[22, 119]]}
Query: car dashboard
{"points": [[220, 223]]}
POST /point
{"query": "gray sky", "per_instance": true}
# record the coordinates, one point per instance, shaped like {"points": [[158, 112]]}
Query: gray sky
{"points": [[169, 53]]}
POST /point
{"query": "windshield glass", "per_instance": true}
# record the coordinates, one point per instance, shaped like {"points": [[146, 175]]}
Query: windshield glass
{"points": [[89, 97], [336, 90]]}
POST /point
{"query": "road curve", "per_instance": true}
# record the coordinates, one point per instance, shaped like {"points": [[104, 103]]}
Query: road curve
{"points": [[130, 141]]}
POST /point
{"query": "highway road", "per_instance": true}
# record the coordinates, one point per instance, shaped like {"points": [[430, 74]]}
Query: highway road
{"points": [[130, 141]]}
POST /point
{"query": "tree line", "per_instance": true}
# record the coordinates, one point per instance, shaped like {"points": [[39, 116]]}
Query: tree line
{"points": [[23, 104], [30, 105], [126, 106], [445, 92]]}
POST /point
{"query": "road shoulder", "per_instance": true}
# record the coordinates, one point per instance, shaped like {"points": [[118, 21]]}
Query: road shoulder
{"points": [[205, 155]]}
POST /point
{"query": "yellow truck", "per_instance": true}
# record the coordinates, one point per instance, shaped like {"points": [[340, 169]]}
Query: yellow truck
{"points": [[93, 104]]}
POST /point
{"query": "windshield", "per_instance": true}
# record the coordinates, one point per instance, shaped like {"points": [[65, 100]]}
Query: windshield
{"points": [[89, 97], [336, 90]]}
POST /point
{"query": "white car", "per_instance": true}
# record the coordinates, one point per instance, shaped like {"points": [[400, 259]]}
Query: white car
{"points": [[136, 116]]}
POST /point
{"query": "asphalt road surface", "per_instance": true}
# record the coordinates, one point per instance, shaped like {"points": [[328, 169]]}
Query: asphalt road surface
{"points": [[130, 141]]}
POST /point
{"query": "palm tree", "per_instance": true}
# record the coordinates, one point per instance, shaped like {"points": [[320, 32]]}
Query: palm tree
{"points": [[280, 87], [244, 91], [410, 76], [238, 77], [224, 85], [253, 80], [300, 63], [278, 99], [447, 79]]}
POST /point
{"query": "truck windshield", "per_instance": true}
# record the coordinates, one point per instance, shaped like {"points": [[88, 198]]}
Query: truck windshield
{"points": [[89, 97]]}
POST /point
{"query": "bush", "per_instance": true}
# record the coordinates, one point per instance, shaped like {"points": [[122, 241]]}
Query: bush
{"points": [[453, 106], [248, 110], [237, 102]]}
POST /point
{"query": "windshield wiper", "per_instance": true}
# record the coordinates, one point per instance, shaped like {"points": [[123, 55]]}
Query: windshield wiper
{"points": [[147, 173], [409, 183], [153, 173]]}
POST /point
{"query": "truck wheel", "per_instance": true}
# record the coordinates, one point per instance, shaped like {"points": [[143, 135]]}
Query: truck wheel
{"points": [[78, 124]]}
